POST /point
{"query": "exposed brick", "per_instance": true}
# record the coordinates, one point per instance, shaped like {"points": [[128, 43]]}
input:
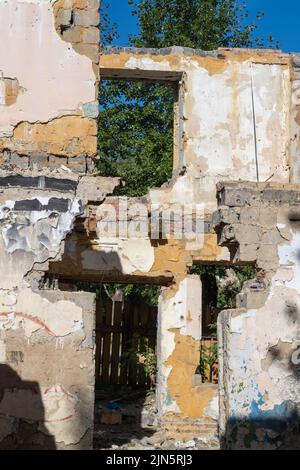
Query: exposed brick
{"points": [[246, 253], [38, 162], [249, 215], [20, 161], [86, 17], [225, 215], [56, 162], [64, 16], [90, 50], [267, 216], [238, 197], [78, 164]]}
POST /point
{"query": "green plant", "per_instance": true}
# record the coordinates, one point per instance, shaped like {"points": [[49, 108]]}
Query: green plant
{"points": [[147, 294], [226, 292], [143, 357], [208, 359]]}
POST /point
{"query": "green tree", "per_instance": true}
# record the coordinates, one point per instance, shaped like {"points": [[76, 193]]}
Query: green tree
{"points": [[201, 24], [108, 30], [136, 119]]}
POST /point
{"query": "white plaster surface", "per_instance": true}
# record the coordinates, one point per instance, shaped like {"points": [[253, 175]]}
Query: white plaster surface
{"points": [[253, 377], [182, 312], [33, 312], [55, 79]]}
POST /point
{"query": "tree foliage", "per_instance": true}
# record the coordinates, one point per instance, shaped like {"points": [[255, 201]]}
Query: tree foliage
{"points": [[225, 296], [136, 134], [201, 24]]}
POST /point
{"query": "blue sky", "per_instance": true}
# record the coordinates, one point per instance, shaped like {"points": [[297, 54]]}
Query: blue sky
{"points": [[282, 20]]}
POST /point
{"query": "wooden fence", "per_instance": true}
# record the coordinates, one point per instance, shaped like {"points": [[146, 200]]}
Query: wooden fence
{"points": [[120, 328]]}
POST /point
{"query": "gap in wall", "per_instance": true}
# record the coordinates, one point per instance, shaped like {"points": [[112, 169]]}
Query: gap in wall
{"points": [[220, 287], [125, 356], [138, 132]]}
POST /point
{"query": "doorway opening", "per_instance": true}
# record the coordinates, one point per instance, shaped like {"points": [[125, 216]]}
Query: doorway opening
{"points": [[140, 127], [126, 364], [220, 287]]}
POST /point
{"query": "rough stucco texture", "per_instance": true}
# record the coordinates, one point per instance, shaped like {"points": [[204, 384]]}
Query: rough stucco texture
{"points": [[223, 94], [46, 336], [260, 388], [48, 87], [179, 333]]}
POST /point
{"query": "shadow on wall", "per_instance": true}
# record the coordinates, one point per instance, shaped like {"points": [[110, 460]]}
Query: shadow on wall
{"points": [[265, 430], [22, 414], [279, 427]]}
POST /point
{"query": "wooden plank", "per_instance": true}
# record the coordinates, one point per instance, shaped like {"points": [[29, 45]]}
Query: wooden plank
{"points": [[144, 322], [116, 337], [98, 352], [125, 343], [105, 378], [134, 323]]}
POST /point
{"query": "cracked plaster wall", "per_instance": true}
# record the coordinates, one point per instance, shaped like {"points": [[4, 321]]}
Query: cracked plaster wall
{"points": [[224, 92], [259, 382], [46, 336], [48, 108], [48, 93], [179, 398]]}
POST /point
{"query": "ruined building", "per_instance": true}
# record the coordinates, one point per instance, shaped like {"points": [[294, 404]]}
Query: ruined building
{"points": [[236, 153]]}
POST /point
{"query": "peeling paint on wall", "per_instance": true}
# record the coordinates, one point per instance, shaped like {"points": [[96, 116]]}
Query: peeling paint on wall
{"points": [[259, 382]]}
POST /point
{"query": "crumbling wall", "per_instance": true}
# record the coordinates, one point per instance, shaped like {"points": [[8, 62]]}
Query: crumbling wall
{"points": [[187, 409], [48, 84], [259, 342], [48, 139], [46, 337], [235, 113], [295, 119]]}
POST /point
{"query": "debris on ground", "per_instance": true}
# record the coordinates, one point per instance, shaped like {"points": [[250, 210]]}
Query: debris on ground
{"points": [[127, 420]]}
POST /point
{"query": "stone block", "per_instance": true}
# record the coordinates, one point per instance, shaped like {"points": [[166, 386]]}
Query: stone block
{"points": [[91, 35], [56, 162], [78, 164], [238, 196], [86, 18], [254, 295], [111, 417], [249, 215], [248, 234], [278, 196], [64, 16], [90, 165], [19, 161], [267, 253], [90, 50], [246, 253], [38, 162], [225, 215], [74, 34], [271, 237], [228, 235], [267, 216]]}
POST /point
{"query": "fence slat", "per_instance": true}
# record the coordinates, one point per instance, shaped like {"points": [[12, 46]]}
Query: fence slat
{"points": [[116, 332], [115, 352], [107, 345]]}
